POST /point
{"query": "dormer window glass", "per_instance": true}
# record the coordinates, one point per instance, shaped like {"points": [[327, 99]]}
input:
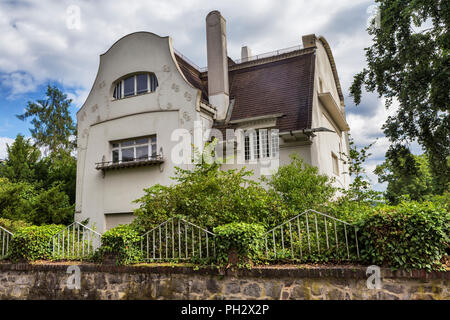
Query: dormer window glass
{"points": [[128, 87], [134, 85], [134, 149], [142, 83]]}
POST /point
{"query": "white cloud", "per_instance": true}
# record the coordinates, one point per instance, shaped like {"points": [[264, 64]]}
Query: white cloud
{"points": [[5, 141], [3, 146], [41, 48], [373, 178], [365, 128], [18, 82], [44, 47]]}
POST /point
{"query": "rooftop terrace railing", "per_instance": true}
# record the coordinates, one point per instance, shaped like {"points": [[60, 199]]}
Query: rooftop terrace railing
{"points": [[239, 61]]}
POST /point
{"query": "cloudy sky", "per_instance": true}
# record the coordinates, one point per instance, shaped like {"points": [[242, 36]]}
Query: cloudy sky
{"points": [[41, 43]]}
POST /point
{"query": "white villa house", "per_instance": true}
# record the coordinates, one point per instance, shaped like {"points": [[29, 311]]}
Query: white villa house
{"points": [[147, 96]]}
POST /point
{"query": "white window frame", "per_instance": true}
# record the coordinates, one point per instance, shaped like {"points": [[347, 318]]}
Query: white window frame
{"points": [[150, 143], [135, 93], [268, 140]]}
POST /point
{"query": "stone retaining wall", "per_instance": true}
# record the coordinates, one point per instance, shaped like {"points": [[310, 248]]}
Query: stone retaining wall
{"points": [[32, 281]]}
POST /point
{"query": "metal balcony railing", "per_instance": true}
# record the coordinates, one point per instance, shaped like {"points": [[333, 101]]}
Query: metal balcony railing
{"points": [[135, 162]]}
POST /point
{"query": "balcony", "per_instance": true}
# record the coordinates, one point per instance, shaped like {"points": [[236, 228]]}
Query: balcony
{"points": [[132, 163]]}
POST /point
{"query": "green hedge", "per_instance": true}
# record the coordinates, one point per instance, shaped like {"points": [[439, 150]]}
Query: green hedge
{"points": [[123, 241], [13, 225], [33, 243], [409, 235], [242, 239]]}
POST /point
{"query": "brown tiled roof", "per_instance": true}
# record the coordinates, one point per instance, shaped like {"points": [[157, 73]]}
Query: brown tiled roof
{"points": [[284, 86], [193, 76], [279, 87]]}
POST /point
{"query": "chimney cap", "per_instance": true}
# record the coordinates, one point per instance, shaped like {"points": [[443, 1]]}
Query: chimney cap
{"points": [[309, 40], [213, 12]]}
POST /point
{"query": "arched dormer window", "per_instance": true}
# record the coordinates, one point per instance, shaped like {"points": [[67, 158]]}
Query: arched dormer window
{"points": [[134, 85]]}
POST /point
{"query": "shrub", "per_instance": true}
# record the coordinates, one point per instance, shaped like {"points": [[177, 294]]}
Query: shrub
{"points": [[209, 197], [241, 242], [33, 243], [25, 201], [51, 206], [300, 186], [349, 210], [123, 241], [409, 235], [15, 199], [13, 225]]}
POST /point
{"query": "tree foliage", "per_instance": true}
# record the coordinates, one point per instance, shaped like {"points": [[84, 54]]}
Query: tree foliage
{"points": [[407, 176], [53, 126], [59, 168], [38, 189], [16, 199], [360, 189], [22, 161], [208, 197], [23, 201], [409, 62], [51, 206], [300, 186]]}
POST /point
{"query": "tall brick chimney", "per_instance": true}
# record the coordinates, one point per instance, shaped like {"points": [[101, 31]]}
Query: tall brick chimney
{"points": [[216, 43]]}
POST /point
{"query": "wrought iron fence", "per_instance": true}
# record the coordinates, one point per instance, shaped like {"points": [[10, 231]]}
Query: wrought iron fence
{"points": [[178, 239], [5, 239], [312, 235], [75, 241]]}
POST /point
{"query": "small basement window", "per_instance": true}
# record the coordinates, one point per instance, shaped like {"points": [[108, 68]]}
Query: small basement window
{"points": [[135, 85]]}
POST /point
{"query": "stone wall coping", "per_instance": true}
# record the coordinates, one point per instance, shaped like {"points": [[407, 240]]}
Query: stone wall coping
{"points": [[346, 272]]}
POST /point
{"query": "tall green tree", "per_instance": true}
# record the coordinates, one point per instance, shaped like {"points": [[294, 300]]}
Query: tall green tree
{"points": [[416, 183], [21, 162], [53, 127], [409, 62], [360, 189], [59, 168], [16, 199]]}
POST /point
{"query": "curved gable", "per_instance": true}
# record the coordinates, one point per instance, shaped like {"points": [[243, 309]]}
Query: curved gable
{"points": [[135, 47], [333, 67]]}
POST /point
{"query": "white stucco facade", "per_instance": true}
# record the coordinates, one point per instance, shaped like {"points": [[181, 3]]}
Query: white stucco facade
{"points": [[102, 119]]}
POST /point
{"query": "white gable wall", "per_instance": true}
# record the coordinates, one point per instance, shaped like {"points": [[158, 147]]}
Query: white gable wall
{"points": [[102, 119], [326, 143]]}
